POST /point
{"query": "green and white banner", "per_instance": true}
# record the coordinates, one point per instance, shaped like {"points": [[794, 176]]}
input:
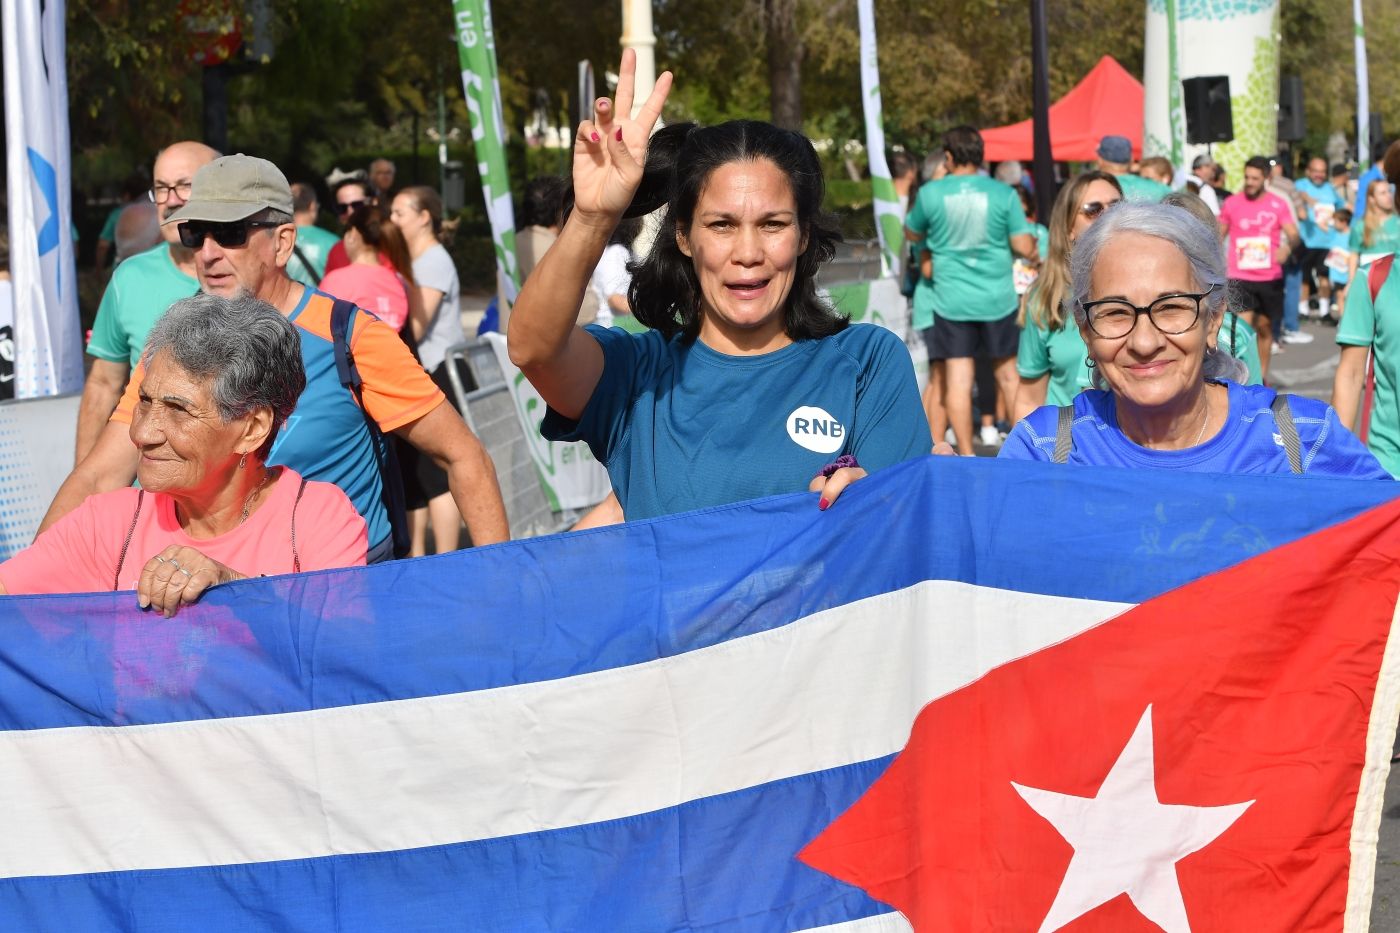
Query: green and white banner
{"points": [[1238, 38], [476, 47], [889, 222]]}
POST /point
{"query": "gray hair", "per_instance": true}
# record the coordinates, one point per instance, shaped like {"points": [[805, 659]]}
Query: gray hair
{"points": [[1198, 243], [244, 347]]}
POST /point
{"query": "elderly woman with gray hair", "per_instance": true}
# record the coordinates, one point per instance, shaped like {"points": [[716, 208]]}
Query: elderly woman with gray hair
{"points": [[221, 377], [1148, 291]]}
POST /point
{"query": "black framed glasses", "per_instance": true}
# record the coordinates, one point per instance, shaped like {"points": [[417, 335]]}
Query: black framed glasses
{"points": [[229, 235], [1111, 318], [1093, 209], [349, 206], [161, 193]]}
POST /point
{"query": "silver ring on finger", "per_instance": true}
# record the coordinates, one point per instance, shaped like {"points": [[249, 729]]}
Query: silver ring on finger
{"points": [[176, 564], [185, 571], [159, 559]]}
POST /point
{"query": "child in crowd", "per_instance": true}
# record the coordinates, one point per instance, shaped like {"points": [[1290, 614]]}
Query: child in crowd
{"points": [[1338, 260]]}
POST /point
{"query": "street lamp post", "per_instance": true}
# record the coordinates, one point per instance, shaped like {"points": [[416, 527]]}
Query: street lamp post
{"points": [[637, 34]]}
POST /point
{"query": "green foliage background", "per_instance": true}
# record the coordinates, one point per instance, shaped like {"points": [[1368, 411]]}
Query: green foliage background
{"points": [[347, 76]]}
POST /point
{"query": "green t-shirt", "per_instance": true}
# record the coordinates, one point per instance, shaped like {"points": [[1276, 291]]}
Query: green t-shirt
{"points": [[109, 228], [1062, 354], [1137, 188], [1386, 240], [1360, 327], [967, 222], [142, 287], [315, 244]]}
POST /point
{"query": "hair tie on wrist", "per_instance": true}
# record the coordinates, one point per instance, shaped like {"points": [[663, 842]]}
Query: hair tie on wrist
{"points": [[840, 463]]}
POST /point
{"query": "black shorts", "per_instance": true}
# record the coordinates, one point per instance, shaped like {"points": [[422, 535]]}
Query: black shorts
{"points": [[954, 340], [1264, 297], [1313, 263]]}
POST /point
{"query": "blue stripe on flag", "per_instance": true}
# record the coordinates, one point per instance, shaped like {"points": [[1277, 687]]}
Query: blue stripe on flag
{"points": [[565, 605], [725, 862]]}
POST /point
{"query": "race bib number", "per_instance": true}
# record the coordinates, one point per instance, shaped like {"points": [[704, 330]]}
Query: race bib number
{"points": [[1254, 253], [1338, 259], [1023, 274], [1322, 214]]}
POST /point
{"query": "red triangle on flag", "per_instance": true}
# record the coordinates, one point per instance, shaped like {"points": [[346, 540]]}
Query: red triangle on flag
{"points": [[1031, 800]]}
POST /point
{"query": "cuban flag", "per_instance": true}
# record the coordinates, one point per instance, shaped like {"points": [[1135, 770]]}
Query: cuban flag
{"points": [[48, 357], [974, 695]]}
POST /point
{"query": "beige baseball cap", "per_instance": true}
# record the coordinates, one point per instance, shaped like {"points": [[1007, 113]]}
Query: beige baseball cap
{"points": [[234, 187]]}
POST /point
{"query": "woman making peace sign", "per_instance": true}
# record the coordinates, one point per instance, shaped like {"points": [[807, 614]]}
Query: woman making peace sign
{"points": [[749, 384]]}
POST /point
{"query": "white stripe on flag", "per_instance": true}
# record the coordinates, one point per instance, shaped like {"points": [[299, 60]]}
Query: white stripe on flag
{"points": [[892, 922], [838, 687]]}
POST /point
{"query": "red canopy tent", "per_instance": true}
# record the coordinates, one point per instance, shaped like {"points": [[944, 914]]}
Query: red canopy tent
{"points": [[1108, 102]]}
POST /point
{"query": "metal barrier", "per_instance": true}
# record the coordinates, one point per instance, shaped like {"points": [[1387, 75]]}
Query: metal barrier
{"points": [[36, 456], [490, 413]]}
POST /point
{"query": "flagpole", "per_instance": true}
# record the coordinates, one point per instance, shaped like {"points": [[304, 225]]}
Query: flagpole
{"points": [[1040, 107], [638, 35], [1363, 90]]}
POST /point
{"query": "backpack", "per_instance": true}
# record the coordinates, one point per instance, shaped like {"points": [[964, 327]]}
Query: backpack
{"points": [[390, 479], [1283, 417]]}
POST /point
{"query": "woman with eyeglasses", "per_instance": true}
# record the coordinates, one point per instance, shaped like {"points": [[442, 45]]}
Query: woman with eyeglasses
{"points": [[1148, 291], [350, 194], [1050, 356]]}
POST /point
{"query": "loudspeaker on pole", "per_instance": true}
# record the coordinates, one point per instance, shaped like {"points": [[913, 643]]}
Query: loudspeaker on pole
{"points": [[1291, 125], [1209, 118]]}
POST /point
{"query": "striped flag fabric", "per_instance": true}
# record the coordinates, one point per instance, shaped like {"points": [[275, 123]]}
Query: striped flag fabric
{"points": [[47, 331], [757, 717]]}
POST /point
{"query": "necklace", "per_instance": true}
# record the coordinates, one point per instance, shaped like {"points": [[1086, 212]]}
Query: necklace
{"points": [[1204, 421], [248, 502]]}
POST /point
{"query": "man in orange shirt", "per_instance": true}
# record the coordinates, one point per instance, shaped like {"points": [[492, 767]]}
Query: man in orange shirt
{"points": [[238, 223]]}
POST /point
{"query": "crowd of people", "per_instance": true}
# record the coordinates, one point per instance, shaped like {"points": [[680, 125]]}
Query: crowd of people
{"points": [[281, 393]]}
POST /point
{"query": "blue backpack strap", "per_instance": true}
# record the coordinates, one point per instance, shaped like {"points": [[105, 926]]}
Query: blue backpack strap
{"points": [[1064, 438], [390, 477], [1288, 432]]}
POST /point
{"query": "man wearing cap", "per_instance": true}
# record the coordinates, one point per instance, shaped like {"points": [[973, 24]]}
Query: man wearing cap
{"points": [[239, 226], [1115, 157], [1203, 181], [142, 287]]}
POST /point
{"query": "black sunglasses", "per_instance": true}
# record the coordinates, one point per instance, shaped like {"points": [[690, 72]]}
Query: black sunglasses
{"points": [[229, 235], [1094, 208], [349, 206]]}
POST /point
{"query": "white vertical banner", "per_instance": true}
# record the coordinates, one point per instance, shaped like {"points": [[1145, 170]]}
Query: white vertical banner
{"points": [[889, 223], [48, 341], [1363, 89]]}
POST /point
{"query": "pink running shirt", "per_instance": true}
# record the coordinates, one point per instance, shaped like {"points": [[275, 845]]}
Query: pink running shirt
{"points": [[378, 290], [1254, 231], [80, 552]]}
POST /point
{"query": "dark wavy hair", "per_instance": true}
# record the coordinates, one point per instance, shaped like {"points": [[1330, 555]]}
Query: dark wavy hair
{"points": [[665, 290]]}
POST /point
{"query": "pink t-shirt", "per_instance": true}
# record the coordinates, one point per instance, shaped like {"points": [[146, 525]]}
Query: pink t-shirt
{"points": [[1254, 229], [378, 290], [80, 552]]}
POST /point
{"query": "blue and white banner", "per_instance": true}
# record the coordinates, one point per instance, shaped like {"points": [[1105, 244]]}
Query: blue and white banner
{"points": [[632, 728], [48, 337]]}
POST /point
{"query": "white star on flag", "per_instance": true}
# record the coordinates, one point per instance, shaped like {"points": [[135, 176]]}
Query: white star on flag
{"points": [[1125, 840]]}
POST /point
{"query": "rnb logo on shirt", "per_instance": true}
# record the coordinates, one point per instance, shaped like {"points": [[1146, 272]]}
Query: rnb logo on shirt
{"points": [[816, 430]]}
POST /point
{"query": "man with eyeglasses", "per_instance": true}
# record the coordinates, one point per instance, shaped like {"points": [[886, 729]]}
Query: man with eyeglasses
{"points": [[140, 290], [1260, 232], [238, 224]]}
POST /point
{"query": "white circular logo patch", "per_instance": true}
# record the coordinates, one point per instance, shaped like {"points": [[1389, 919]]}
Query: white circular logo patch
{"points": [[816, 430]]}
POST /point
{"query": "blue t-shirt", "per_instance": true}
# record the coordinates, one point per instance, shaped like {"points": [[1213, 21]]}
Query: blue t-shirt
{"points": [[681, 426], [1373, 173], [1248, 443], [1317, 235]]}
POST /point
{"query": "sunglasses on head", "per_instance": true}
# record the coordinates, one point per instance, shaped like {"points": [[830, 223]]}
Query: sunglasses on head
{"points": [[349, 206], [1093, 209], [229, 235]]}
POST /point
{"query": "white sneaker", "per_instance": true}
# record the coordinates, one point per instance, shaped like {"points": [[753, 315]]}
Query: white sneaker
{"points": [[950, 437], [990, 436], [1297, 336]]}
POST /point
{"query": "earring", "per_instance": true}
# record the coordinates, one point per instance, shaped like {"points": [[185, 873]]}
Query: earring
{"points": [[1089, 362], [242, 461]]}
